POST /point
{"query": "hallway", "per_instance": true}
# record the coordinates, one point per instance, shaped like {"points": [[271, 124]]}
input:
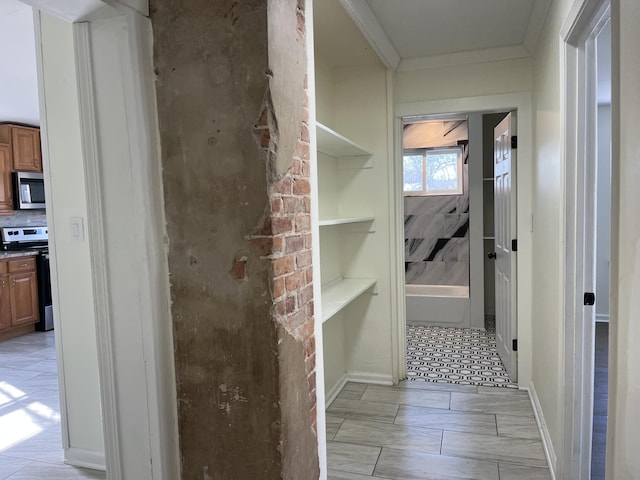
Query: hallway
{"points": [[423, 431]]}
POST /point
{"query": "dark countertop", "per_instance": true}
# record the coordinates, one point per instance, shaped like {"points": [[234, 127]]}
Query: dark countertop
{"points": [[17, 253]]}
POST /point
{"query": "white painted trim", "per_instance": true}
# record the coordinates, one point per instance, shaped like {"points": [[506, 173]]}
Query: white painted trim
{"points": [[536, 24], [369, 378], [578, 110], [368, 23], [602, 317], [547, 445], [44, 140], [475, 192], [396, 238], [321, 396], [464, 58], [79, 457], [522, 103], [335, 390], [95, 225]]}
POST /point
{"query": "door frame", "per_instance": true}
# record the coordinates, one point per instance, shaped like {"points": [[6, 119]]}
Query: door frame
{"points": [[522, 104], [584, 22], [121, 156]]}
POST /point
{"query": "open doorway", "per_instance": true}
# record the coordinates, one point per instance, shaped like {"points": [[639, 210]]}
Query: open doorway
{"points": [[448, 199], [588, 174]]}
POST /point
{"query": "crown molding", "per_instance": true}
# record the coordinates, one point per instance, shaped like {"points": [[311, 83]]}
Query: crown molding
{"points": [[368, 24], [536, 24], [463, 58]]}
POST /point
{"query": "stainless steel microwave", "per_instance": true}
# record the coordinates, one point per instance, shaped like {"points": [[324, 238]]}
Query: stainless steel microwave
{"points": [[28, 190]]}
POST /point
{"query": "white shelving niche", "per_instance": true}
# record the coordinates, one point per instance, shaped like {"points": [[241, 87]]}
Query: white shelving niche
{"points": [[338, 158]]}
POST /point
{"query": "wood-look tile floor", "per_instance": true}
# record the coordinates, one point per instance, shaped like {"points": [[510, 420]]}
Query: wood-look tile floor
{"points": [[433, 431], [30, 435]]}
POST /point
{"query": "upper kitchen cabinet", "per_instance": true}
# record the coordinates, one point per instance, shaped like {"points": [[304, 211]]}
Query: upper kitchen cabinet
{"points": [[26, 154], [6, 195]]}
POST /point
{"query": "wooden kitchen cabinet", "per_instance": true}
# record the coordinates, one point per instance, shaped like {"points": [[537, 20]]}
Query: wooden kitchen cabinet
{"points": [[6, 188], [18, 296], [26, 152], [24, 142]]}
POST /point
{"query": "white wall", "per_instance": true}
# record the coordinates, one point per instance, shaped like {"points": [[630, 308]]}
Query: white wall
{"points": [[548, 250], [71, 268], [440, 83], [18, 81], [603, 208], [623, 461]]}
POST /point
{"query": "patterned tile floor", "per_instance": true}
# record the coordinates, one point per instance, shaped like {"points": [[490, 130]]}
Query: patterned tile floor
{"points": [[454, 355]]}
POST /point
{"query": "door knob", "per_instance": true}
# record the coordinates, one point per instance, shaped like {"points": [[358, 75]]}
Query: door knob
{"points": [[491, 255]]}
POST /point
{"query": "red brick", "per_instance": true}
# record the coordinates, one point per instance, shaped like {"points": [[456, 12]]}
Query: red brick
{"points": [[310, 309], [306, 168], [311, 379], [307, 204], [308, 273], [295, 320], [293, 204], [264, 244], [265, 229], [308, 241], [301, 186], [282, 186], [282, 266], [304, 259], [265, 138], [296, 167], [305, 115], [309, 347], [294, 281], [280, 308], [277, 244], [276, 205], [291, 304], [305, 295], [239, 269], [310, 363], [264, 117], [278, 287], [303, 223], [294, 243], [281, 225], [302, 150], [304, 133]]}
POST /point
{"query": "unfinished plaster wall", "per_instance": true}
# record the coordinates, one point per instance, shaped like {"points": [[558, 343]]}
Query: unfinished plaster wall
{"points": [[235, 152]]}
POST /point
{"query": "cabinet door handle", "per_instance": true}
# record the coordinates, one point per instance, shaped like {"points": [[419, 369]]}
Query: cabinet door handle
{"points": [[24, 264], [14, 282]]}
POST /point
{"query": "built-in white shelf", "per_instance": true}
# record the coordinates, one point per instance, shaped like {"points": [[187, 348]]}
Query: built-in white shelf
{"points": [[340, 293], [488, 238], [336, 145], [488, 179], [344, 220]]}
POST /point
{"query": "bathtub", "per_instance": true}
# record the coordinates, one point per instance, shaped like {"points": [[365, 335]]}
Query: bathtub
{"points": [[438, 305]]}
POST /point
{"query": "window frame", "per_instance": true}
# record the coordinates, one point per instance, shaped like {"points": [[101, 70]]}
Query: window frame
{"points": [[424, 152]]}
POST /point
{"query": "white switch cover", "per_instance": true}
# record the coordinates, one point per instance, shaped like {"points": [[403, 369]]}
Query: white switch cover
{"points": [[77, 229]]}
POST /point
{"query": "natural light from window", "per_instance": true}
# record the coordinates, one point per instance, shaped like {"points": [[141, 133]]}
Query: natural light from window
{"points": [[432, 171]]}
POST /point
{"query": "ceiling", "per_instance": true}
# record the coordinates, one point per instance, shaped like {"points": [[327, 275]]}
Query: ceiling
{"points": [[419, 33]]}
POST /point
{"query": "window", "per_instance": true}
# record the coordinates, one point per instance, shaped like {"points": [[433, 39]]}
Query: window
{"points": [[434, 171]]}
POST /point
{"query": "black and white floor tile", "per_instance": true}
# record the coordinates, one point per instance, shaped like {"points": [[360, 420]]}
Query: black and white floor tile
{"points": [[454, 355]]}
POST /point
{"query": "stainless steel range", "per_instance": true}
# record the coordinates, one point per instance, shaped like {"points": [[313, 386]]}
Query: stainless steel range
{"points": [[28, 239]]}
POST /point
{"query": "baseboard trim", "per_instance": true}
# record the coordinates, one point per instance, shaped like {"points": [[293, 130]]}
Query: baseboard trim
{"points": [[356, 377], [335, 390], [544, 431], [79, 457], [373, 378], [602, 317]]}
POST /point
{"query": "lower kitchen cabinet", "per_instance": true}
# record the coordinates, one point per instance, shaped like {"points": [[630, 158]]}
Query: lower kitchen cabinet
{"points": [[18, 296]]}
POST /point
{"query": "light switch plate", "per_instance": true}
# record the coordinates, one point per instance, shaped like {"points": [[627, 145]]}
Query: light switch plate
{"points": [[76, 226]]}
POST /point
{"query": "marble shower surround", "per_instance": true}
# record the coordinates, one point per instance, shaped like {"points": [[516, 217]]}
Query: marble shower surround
{"points": [[436, 238]]}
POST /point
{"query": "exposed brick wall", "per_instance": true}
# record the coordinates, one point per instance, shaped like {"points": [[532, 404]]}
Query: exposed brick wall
{"points": [[285, 238]]}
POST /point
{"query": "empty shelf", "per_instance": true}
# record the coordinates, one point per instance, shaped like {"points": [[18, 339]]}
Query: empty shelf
{"points": [[334, 144], [341, 293], [344, 220]]}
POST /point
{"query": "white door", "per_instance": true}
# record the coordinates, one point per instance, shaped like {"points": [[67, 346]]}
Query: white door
{"points": [[504, 162]]}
